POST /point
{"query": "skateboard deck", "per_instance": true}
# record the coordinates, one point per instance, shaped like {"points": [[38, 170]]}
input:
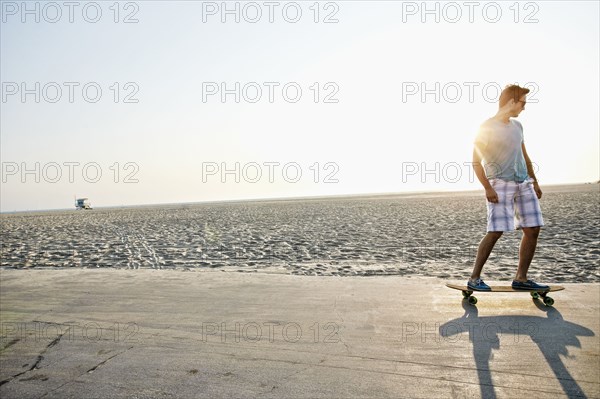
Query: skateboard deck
{"points": [[535, 294]]}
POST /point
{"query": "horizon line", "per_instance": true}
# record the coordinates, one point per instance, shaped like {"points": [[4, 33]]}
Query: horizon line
{"points": [[314, 197]]}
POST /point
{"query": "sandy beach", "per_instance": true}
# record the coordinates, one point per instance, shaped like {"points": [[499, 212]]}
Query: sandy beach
{"points": [[433, 235], [241, 199], [271, 299]]}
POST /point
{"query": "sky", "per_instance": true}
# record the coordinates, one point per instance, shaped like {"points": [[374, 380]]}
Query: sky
{"points": [[151, 102]]}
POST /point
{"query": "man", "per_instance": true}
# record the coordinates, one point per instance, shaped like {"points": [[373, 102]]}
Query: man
{"points": [[511, 188]]}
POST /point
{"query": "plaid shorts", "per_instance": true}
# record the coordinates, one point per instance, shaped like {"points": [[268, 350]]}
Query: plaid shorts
{"points": [[518, 206]]}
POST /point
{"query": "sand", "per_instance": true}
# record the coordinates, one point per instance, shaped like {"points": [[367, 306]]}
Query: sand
{"points": [[433, 235], [257, 299]]}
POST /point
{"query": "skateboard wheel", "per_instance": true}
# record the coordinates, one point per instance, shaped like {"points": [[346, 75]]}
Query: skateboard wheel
{"points": [[466, 294], [472, 300], [535, 295], [548, 301]]}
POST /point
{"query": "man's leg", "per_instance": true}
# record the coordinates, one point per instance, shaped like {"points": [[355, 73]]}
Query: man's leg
{"points": [[526, 251], [483, 252]]}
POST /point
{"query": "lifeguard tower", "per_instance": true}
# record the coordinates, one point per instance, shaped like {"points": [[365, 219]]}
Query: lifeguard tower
{"points": [[82, 203]]}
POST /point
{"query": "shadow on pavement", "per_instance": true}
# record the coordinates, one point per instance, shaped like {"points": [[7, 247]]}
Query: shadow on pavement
{"points": [[553, 334]]}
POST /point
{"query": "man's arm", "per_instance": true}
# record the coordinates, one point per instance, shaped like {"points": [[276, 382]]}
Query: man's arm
{"points": [[530, 172], [490, 193]]}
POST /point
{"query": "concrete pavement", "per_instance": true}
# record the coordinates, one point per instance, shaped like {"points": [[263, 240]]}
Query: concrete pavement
{"points": [[161, 334]]}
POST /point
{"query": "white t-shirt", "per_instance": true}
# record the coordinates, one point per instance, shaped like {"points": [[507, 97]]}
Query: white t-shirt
{"points": [[500, 146]]}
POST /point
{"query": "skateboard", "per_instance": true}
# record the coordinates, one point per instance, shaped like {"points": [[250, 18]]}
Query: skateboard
{"points": [[535, 294]]}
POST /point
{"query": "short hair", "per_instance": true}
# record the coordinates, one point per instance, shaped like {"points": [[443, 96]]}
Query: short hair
{"points": [[514, 92]]}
